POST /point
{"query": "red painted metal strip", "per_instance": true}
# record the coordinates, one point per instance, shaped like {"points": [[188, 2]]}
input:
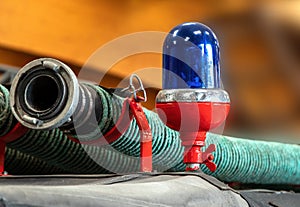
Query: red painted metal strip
{"points": [[2, 157], [146, 136]]}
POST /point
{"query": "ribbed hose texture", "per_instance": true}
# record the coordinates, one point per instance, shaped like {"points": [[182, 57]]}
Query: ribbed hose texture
{"points": [[56, 149], [16, 162], [167, 150], [6, 117], [250, 161], [239, 160]]}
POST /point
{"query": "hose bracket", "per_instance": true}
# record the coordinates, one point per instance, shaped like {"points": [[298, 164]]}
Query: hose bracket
{"points": [[131, 108], [145, 135], [142, 122]]}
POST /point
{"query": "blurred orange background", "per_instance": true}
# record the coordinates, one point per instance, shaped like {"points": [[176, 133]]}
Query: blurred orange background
{"points": [[260, 49]]}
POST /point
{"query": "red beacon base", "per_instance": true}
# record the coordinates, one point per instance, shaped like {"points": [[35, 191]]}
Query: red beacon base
{"points": [[193, 120], [192, 100]]}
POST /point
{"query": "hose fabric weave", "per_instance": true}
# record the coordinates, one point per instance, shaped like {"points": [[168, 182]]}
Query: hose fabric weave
{"points": [[240, 160], [250, 161], [17, 162], [237, 159]]}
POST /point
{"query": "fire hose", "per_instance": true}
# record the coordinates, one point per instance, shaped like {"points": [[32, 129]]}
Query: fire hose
{"points": [[15, 161], [54, 147], [18, 163], [240, 160], [51, 146]]}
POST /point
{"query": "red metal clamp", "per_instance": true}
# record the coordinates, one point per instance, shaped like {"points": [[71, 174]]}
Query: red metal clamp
{"points": [[131, 108], [145, 133], [142, 122]]}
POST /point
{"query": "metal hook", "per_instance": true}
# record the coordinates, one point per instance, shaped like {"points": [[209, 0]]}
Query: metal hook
{"points": [[134, 90]]}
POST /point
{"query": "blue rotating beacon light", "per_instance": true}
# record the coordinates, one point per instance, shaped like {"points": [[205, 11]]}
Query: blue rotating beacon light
{"points": [[192, 100]]}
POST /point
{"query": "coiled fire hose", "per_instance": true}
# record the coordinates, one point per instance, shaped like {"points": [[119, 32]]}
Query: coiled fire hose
{"points": [[51, 146], [56, 149], [239, 160], [92, 116], [17, 162]]}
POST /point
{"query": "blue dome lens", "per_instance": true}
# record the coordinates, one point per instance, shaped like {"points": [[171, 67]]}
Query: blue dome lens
{"points": [[191, 58]]}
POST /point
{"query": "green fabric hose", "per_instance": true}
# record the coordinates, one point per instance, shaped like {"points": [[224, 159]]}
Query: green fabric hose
{"points": [[56, 149], [250, 161], [29, 153], [167, 150], [16, 162], [6, 117], [238, 160]]}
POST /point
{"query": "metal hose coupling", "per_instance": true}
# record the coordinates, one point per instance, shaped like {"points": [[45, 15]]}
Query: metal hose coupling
{"points": [[45, 94]]}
